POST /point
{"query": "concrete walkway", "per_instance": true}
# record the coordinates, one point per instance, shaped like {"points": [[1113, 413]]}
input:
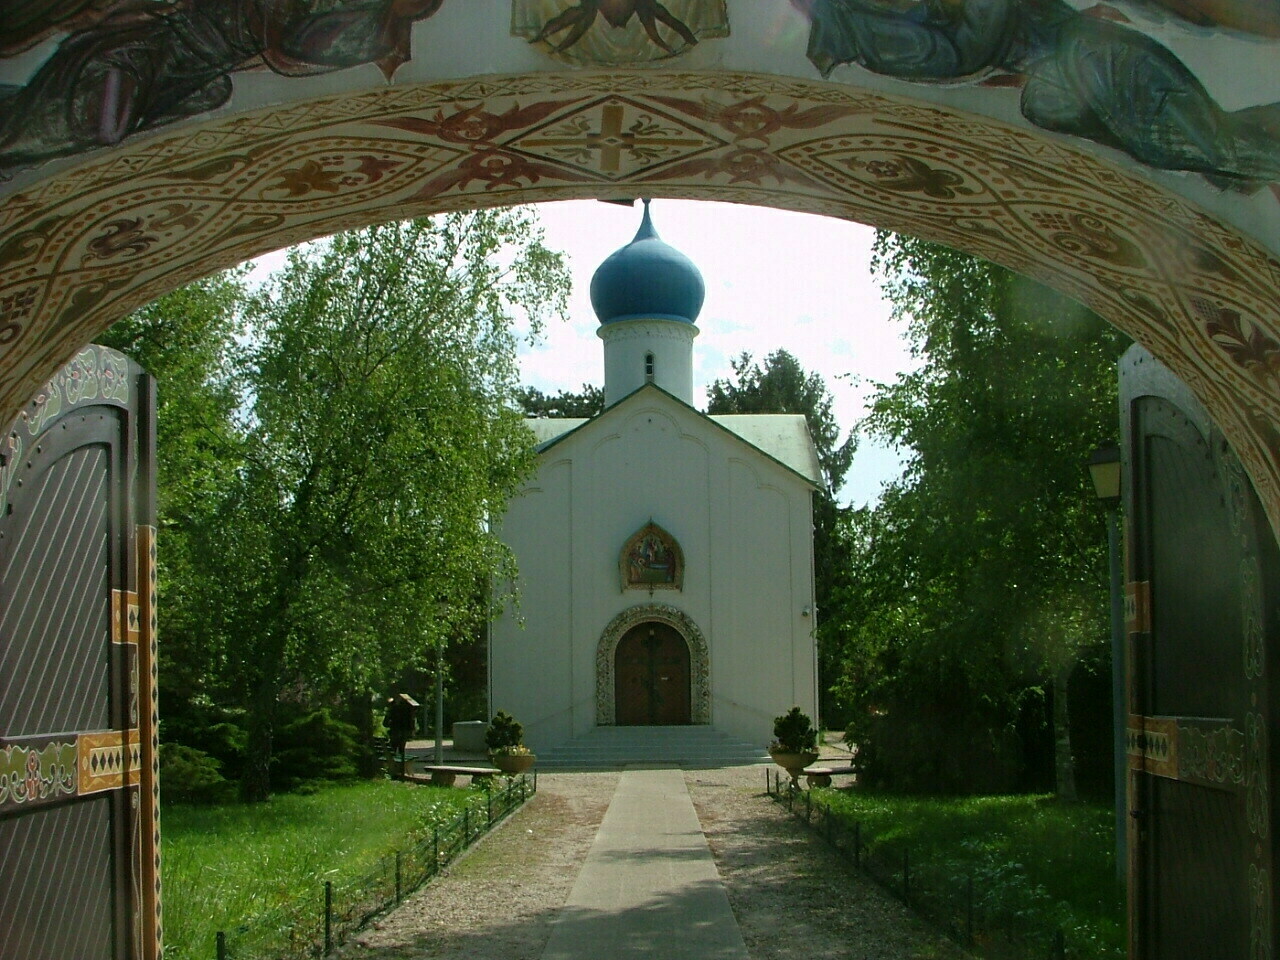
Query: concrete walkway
{"points": [[649, 886]]}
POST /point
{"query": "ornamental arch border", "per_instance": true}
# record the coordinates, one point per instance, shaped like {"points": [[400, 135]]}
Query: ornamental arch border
{"points": [[699, 659], [1149, 250]]}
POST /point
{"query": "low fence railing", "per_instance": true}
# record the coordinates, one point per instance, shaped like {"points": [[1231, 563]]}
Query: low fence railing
{"points": [[312, 927], [951, 899]]}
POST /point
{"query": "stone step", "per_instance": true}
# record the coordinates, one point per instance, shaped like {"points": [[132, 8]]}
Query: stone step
{"points": [[612, 747]]}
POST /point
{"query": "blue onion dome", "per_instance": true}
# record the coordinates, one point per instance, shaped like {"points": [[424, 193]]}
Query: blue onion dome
{"points": [[647, 280]]}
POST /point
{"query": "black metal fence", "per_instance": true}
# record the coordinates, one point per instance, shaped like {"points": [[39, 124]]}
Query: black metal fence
{"points": [[311, 927], [953, 900]]}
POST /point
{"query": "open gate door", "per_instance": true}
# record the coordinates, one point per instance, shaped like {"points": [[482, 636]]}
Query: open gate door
{"points": [[79, 828], [1202, 606]]}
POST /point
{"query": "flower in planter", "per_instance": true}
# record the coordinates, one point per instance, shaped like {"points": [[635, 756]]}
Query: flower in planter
{"points": [[517, 751], [505, 737]]}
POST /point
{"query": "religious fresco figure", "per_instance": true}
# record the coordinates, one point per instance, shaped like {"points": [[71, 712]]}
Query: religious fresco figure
{"points": [[24, 23], [145, 64], [652, 558], [1080, 75], [1249, 16], [617, 32]]}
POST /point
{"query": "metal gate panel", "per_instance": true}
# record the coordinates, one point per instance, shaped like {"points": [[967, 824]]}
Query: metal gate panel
{"points": [[57, 588], [1198, 850], [78, 775], [1202, 611], [61, 859]]}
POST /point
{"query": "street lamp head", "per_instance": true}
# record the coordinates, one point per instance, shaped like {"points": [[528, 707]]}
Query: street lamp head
{"points": [[1104, 470]]}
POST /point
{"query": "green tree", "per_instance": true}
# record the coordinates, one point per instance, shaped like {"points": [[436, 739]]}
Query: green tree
{"points": [[186, 340], [782, 385], [982, 572], [586, 402], [379, 440]]}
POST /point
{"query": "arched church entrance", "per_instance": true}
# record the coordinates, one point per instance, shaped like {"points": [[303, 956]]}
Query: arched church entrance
{"points": [[638, 662], [651, 678]]}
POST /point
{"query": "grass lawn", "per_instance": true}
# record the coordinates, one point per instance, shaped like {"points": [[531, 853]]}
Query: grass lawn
{"points": [[224, 865], [1037, 864]]}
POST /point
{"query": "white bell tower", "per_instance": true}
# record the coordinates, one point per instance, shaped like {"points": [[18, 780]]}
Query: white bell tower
{"points": [[647, 296]]}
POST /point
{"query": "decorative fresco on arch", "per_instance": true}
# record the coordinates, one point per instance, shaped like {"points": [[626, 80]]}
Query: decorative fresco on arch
{"points": [[617, 32], [651, 560], [1084, 74], [131, 67], [1261, 17], [131, 223]]}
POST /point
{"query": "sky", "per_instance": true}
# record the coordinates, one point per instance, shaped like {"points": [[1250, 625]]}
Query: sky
{"points": [[774, 279]]}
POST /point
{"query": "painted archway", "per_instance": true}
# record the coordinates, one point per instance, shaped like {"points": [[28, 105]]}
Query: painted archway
{"points": [[1124, 151], [114, 198], [607, 650]]}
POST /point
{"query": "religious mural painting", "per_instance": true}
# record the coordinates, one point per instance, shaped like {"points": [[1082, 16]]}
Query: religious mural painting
{"points": [[652, 560], [132, 67], [1261, 17], [97, 241], [617, 32], [1080, 74]]}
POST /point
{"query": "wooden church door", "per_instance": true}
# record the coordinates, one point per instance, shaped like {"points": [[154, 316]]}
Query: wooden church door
{"points": [[652, 677], [78, 821], [1203, 613]]}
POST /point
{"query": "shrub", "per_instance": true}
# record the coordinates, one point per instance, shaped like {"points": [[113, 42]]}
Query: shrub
{"points": [[196, 721], [934, 746], [793, 732], [313, 748], [505, 735], [188, 775]]}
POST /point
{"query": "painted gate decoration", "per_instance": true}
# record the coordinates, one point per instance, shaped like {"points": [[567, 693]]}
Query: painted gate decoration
{"points": [[78, 820], [1203, 602]]}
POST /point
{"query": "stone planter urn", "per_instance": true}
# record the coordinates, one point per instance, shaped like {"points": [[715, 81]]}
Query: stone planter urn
{"points": [[513, 763], [794, 744], [794, 762]]}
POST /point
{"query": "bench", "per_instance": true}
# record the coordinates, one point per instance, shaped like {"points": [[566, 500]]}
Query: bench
{"points": [[443, 775], [821, 776]]}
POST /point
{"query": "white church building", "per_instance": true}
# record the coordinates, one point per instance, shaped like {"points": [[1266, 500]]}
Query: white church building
{"points": [[665, 556]]}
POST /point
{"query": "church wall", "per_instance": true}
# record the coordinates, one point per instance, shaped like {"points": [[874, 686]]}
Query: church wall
{"points": [[743, 524], [646, 469], [530, 666], [761, 664]]}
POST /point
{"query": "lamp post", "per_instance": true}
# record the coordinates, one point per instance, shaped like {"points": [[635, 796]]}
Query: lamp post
{"points": [[1104, 470]]}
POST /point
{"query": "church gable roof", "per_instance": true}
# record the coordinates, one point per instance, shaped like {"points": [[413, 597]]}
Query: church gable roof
{"points": [[782, 437], [548, 429]]}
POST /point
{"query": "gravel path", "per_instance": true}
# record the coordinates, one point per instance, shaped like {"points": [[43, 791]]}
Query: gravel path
{"points": [[794, 897], [791, 895]]}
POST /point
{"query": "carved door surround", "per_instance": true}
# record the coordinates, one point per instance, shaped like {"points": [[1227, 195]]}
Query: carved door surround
{"points": [[606, 659]]}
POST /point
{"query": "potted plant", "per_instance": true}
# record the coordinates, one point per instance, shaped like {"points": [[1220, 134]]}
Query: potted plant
{"points": [[795, 742], [505, 740]]}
